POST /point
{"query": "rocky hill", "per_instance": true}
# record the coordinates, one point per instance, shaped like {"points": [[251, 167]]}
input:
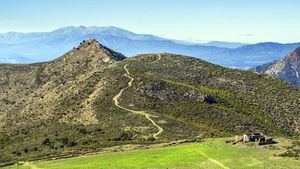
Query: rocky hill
{"points": [[93, 97], [287, 69]]}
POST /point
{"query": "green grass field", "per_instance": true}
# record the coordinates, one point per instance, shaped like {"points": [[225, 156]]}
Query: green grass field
{"points": [[209, 154]]}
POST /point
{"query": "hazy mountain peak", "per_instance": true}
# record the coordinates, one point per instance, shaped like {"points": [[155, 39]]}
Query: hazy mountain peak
{"points": [[93, 29], [230, 45]]}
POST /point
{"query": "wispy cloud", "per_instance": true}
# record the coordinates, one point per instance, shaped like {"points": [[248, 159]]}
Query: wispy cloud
{"points": [[249, 34]]}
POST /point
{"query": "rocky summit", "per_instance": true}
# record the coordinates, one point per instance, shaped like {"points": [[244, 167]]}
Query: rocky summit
{"points": [[287, 69], [93, 97]]}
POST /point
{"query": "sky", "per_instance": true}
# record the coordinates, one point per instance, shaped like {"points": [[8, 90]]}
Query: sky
{"points": [[248, 21]]}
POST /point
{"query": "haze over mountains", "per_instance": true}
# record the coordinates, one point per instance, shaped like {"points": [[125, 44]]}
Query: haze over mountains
{"points": [[93, 97], [45, 46]]}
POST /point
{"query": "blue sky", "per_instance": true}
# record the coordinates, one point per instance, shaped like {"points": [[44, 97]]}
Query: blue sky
{"points": [[195, 20]]}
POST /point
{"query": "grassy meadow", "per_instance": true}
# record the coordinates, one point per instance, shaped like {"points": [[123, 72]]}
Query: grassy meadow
{"points": [[212, 154]]}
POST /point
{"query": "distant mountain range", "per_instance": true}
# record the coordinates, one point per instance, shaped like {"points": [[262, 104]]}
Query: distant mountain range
{"points": [[45, 46], [230, 45], [287, 69]]}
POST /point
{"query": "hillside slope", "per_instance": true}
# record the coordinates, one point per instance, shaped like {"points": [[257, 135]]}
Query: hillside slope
{"points": [[92, 97], [287, 69]]}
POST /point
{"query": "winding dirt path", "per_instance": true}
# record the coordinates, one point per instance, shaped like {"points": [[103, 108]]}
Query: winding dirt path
{"points": [[159, 57], [214, 161], [147, 115], [30, 165]]}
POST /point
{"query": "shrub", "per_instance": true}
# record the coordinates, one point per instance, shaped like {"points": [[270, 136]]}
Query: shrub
{"points": [[123, 137], [209, 99], [65, 141], [46, 141], [72, 144]]}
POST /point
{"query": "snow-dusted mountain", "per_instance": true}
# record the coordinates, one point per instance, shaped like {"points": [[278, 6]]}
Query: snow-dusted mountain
{"points": [[71, 33]]}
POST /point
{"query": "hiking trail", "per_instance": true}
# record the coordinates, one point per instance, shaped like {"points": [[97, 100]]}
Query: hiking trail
{"points": [[144, 113]]}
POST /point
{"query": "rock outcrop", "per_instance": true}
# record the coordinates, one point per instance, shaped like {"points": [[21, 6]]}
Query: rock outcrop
{"points": [[287, 69]]}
